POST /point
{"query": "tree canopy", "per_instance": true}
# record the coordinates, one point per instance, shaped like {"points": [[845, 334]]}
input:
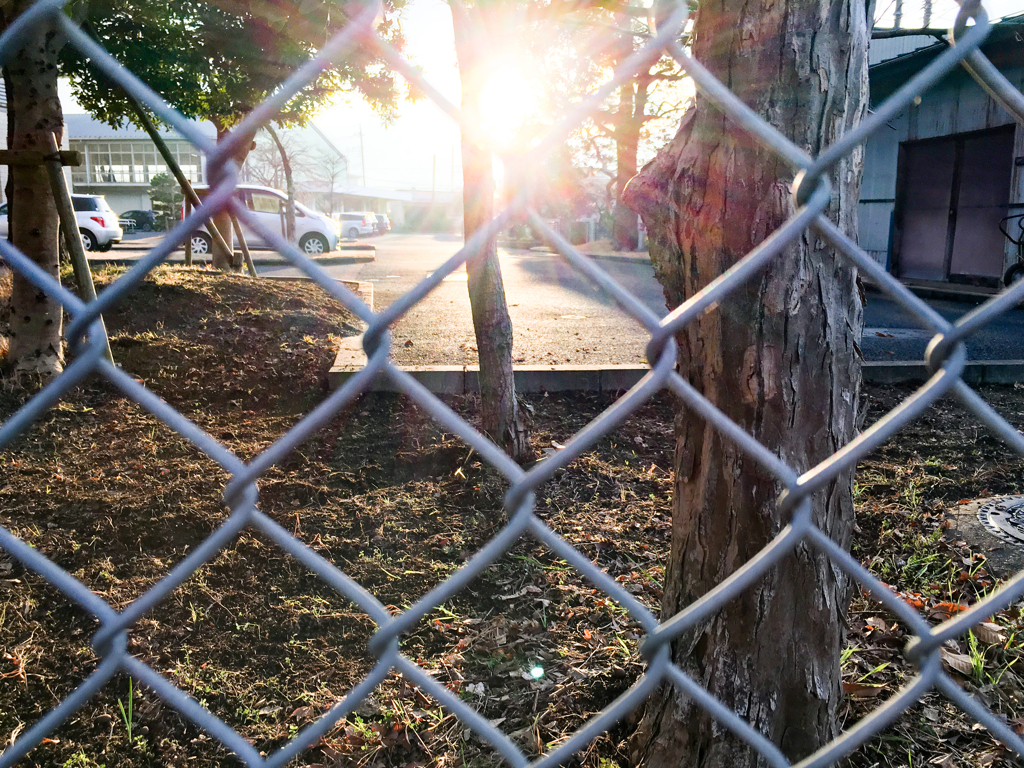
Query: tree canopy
{"points": [[218, 60]]}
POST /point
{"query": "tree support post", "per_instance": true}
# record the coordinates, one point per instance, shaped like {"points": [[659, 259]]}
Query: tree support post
{"points": [[188, 240], [54, 163], [172, 163], [245, 246]]}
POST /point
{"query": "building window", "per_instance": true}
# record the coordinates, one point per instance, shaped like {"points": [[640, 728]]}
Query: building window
{"points": [[132, 162]]}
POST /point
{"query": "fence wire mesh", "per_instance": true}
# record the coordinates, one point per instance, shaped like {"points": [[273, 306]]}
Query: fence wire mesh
{"points": [[946, 359]]}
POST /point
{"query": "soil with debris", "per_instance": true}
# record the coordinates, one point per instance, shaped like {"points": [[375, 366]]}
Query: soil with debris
{"points": [[112, 495]]}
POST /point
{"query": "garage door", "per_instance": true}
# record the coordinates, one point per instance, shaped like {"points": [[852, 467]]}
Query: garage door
{"points": [[952, 193]]}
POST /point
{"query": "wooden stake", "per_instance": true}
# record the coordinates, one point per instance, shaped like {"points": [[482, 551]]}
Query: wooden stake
{"points": [[245, 246], [72, 240], [172, 164], [188, 240]]}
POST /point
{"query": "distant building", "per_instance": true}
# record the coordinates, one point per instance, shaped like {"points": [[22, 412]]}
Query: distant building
{"points": [[120, 163], [942, 174]]}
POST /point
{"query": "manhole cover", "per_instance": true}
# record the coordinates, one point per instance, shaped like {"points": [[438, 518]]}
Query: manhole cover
{"points": [[1004, 517]]}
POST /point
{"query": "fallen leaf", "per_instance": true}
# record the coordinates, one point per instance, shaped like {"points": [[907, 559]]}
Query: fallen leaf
{"points": [[961, 662], [990, 633], [945, 610], [943, 761], [862, 690]]}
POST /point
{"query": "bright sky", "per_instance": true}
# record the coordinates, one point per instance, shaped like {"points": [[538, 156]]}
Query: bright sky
{"points": [[943, 12], [404, 154]]}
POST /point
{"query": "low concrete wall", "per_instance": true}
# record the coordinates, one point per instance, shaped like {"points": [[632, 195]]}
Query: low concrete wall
{"points": [[458, 379]]}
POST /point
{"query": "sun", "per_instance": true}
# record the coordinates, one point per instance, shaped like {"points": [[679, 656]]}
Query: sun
{"points": [[506, 101]]}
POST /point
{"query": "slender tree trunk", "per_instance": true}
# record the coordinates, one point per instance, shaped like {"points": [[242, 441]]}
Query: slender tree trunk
{"points": [[627, 138], [500, 413], [289, 214], [779, 357], [226, 262], [35, 112]]}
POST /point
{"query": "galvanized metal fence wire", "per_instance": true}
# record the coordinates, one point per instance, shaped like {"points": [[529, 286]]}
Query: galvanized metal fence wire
{"points": [[946, 358]]}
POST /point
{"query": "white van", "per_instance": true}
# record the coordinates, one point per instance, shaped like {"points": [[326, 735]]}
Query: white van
{"points": [[315, 232]]}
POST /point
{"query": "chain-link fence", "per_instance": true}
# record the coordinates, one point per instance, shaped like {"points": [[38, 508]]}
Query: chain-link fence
{"points": [[946, 359]]}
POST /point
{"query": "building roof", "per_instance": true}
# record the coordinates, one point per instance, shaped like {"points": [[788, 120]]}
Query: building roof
{"points": [[87, 127], [1003, 42], [890, 48]]}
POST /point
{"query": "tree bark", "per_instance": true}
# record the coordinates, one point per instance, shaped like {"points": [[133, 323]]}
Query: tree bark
{"points": [[289, 213], [779, 356], [35, 113], [226, 262], [500, 414]]}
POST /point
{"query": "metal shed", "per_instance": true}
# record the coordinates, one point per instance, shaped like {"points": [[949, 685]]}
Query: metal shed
{"points": [[949, 168]]}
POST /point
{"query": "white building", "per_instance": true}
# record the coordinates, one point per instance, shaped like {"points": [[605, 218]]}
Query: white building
{"points": [[120, 163]]}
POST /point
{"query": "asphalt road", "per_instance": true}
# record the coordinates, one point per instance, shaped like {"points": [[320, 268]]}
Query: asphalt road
{"points": [[559, 317]]}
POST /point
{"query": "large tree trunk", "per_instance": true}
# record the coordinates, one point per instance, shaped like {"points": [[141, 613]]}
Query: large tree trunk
{"points": [[500, 413], [289, 214], [779, 357], [35, 112]]}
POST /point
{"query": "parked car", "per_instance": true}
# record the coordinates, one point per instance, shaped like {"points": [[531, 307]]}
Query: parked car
{"points": [[144, 221], [356, 223], [315, 232], [97, 223], [383, 223]]}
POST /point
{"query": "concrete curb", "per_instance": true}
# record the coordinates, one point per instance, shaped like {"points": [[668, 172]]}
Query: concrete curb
{"points": [[967, 294], [458, 379], [640, 258], [259, 261], [915, 371]]}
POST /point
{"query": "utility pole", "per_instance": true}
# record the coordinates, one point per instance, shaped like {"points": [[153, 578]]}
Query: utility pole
{"points": [[362, 154]]}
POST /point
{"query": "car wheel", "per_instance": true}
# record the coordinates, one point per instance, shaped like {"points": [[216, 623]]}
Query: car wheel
{"points": [[105, 248], [1014, 274], [353, 233], [314, 244], [88, 240], [147, 227], [201, 243]]}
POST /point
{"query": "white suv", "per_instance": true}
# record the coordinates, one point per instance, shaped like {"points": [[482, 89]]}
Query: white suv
{"points": [[315, 232], [97, 223], [356, 223]]}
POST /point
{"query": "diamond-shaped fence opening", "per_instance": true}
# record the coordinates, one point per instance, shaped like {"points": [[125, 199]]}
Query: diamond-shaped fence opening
{"points": [[412, 686]]}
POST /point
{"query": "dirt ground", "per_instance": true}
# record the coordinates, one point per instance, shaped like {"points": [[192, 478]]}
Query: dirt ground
{"points": [[108, 492]]}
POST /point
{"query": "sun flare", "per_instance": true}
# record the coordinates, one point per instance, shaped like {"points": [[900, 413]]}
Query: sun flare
{"points": [[506, 102]]}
